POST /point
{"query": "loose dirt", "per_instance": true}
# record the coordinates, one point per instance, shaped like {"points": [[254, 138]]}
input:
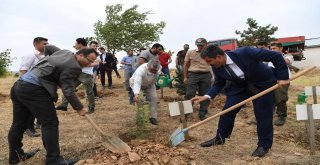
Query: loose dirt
{"points": [[116, 117]]}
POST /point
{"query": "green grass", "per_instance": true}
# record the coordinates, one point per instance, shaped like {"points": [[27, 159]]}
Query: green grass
{"points": [[308, 80]]}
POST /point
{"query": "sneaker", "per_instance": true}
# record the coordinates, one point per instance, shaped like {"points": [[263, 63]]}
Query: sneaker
{"points": [[32, 133], [280, 121], [153, 121]]}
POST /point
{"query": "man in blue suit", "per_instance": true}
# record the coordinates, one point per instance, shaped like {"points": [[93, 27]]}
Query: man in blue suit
{"points": [[248, 75]]}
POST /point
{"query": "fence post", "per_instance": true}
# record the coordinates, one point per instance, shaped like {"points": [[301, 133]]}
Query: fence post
{"points": [[183, 119], [311, 129], [314, 94]]}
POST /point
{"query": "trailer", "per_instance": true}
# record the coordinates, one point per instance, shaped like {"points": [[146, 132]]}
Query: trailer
{"points": [[293, 45]]}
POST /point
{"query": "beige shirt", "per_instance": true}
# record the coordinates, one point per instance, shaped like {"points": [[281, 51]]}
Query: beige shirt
{"points": [[197, 64]]}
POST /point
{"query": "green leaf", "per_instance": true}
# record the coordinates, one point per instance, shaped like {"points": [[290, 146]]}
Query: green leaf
{"points": [[123, 30]]}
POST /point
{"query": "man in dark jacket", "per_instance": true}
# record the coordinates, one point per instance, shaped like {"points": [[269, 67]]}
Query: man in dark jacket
{"points": [[35, 93]]}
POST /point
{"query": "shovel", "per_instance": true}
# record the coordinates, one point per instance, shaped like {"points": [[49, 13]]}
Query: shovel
{"points": [[178, 135], [114, 144]]}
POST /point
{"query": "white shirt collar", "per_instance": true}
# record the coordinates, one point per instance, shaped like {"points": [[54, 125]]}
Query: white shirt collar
{"points": [[228, 60]]}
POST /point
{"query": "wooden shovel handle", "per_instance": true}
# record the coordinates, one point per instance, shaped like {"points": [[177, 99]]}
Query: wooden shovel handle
{"points": [[95, 126], [248, 100]]}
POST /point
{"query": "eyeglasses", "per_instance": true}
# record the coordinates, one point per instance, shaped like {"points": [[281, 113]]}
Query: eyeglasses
{"points": [[89, 60]]}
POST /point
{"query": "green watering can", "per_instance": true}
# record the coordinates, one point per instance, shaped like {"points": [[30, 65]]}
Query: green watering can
{"points": [[302, 98], [164, 80]]}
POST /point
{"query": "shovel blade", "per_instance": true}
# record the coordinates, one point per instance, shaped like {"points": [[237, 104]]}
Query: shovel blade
{"points": [[115, 144], [177, 137]]}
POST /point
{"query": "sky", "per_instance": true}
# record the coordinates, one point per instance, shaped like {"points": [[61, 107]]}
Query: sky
{"points": [[62, 21]]}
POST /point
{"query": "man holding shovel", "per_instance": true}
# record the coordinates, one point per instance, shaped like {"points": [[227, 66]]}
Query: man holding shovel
{"points": [[35, 93], [248, 75]]}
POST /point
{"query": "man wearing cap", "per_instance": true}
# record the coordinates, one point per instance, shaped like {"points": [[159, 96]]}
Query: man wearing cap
{"points": [[197, 75]]}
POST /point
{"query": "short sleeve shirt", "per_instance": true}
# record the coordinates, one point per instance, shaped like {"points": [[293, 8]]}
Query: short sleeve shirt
{"points": [[28, 61], [163, 58], [197, 64], [147, 55], [128, 60]]}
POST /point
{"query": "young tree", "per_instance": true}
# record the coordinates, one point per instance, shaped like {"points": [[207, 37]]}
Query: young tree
{"points": [[128, 29], [5, 61], [256, 33]]}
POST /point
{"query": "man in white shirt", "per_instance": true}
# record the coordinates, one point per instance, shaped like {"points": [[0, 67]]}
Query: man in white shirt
{"points": [[27, 62], [95, 68], [144, 79]]}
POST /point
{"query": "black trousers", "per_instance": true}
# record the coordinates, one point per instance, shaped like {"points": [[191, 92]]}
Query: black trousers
{"points": [[28, 100], [263, 111], [103, 70]]}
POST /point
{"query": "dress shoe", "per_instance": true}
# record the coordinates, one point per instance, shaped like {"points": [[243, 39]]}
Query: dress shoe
{"points": [[15, 159], [280, 121], [32, 133], [62, 108], [212, 142], [153, 121], [62, 161], [260, 152]]}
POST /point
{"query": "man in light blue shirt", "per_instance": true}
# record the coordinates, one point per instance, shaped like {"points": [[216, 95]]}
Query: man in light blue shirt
{"points": [[128, 71]]}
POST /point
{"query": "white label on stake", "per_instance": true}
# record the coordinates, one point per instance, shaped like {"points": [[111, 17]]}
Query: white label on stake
{"points": [[174, 108], [302, 114], [308, 91]]}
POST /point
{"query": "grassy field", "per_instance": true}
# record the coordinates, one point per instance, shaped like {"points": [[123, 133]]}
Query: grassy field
{"points": [[115, 116]]}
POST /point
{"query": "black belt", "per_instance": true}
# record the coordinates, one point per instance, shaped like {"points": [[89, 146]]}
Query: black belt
{"points": [[199, 72]]}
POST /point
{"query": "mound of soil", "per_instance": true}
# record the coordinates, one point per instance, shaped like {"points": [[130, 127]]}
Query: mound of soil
{"points": [[143, 152]]}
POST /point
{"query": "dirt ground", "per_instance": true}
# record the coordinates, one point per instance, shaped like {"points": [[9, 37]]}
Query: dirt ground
{"points": [[115, 116]]}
